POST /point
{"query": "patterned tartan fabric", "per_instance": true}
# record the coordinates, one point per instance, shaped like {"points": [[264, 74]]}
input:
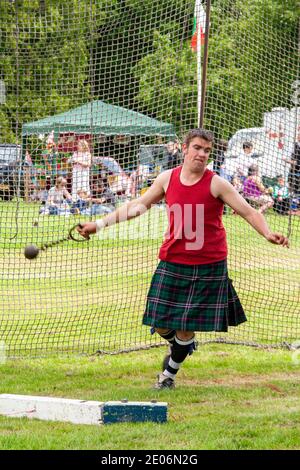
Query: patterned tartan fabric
{"points": [[193, 298]]}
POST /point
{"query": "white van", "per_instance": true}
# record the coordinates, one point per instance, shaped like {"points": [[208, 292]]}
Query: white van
{"points": [[272, 143], [266, 153]]}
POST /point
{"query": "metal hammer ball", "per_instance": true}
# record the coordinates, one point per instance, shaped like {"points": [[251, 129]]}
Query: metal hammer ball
{"points": [[31, 251]]}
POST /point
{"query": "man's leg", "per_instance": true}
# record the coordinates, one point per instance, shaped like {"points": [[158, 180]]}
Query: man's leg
{"points": [[166, 333], [169, 335], [183, 345]]}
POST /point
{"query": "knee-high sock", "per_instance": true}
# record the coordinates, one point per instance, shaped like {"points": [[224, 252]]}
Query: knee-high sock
{"points": [[169, 336], [180, 351]]}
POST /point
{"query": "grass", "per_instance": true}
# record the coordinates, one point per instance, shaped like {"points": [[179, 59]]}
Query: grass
{"points": [[227, 397], [90, 296]]}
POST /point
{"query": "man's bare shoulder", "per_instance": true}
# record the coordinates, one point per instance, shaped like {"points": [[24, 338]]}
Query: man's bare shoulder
{"points": [[164, 175], [219, 185], [163, 179]]}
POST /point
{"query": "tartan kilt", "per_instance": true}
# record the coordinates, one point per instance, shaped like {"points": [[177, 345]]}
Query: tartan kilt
{"points": [[193, 298]]}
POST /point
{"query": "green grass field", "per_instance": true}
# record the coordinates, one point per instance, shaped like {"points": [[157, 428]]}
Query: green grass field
{"points": [[80, 298], [227, 397]]}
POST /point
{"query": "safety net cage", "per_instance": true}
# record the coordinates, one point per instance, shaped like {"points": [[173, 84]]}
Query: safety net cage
{"points": [[96, 97]]}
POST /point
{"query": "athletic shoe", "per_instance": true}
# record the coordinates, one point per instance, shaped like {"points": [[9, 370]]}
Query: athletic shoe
{"points": [[164, 382]]}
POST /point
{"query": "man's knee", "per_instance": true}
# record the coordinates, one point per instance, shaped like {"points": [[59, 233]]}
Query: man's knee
{"points": [[185, 335], [162, 331]]}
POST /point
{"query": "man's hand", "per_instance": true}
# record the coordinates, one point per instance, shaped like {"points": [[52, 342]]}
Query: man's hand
{"points": [[87, 229], [278, 239]]}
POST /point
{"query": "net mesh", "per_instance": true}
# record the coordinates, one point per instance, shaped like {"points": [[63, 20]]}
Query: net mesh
{"points": [[91, 92]]}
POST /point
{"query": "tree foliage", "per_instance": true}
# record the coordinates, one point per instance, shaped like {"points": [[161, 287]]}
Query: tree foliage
{"points": [[55, 55]]}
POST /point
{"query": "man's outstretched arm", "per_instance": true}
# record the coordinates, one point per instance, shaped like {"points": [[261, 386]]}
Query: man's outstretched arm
{"points": [[225, 191], [131, 209]]}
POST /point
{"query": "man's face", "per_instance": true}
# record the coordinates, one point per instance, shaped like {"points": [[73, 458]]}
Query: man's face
{"points": [[197, 153], [281, 181], [170, 147]]}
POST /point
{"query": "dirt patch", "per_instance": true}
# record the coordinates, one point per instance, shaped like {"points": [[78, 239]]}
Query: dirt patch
{"points": [[236, 381]]}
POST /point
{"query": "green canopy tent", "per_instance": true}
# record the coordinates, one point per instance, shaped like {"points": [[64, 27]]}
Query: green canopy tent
{"points": [[98, 117]]}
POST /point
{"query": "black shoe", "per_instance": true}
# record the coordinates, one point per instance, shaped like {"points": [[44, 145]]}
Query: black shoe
{"points": [[164, 382]]}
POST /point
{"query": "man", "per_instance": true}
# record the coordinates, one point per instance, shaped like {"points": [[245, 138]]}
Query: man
{"points": [[173, 155], [190, 290], [281, 196], [219, 160], [294, 173], [247, 159]]}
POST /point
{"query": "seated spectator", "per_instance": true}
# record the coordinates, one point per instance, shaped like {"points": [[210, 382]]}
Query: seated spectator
{"points": [[245, 160], [281, 196], [82, 202], [38, 194], [255, 192], [237, 183], [102, 201], [59, 199]]}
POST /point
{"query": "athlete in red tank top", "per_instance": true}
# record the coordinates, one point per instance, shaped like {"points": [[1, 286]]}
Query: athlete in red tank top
{"points": [[195, 234], [190, 290]]}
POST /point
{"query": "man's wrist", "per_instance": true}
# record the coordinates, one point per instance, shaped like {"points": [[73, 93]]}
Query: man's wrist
{"points": [[99, 225]]}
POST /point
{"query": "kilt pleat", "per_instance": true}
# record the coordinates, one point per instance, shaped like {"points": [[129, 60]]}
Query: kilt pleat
{"points": [[193, 298]]}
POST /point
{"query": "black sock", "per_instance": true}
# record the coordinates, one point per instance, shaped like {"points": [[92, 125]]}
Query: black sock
{"points": [[169, 336], [180, 350]]}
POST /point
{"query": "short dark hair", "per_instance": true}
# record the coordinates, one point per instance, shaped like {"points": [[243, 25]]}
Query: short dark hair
{"points": [[222, 145], [247, 145], [252, 170], [201, 133]]}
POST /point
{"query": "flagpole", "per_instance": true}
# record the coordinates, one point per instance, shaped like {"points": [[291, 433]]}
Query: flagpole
{"points": [[199, 62], [202, 80]]}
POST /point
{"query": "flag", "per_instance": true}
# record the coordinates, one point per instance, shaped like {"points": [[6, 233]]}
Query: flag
{"points": [[199, 25]]}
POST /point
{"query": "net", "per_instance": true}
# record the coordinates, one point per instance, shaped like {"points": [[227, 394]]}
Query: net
{"points": [[95, 99]]}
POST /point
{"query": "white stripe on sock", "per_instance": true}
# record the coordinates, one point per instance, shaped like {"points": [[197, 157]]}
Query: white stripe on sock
{"points": [[169, 374], [184, 343], [173, 364]]}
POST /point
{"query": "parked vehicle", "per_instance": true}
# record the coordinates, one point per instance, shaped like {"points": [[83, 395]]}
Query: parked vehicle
{"points": [[272, 143], [11, 175]]}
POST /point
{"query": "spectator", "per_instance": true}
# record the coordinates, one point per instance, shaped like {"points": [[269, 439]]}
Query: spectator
{"points": [[104, 200], [38, 194], [219, 166], [173, 155], [82, 202], [51, 158], [294, 173], [81, 162], [246, 159], [88, 204], [139, 179], [58, 200], [281, 196], [254, 191], [237, 183]]}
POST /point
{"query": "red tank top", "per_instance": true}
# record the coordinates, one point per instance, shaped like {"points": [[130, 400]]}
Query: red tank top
{"points": [[196, 234]]}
